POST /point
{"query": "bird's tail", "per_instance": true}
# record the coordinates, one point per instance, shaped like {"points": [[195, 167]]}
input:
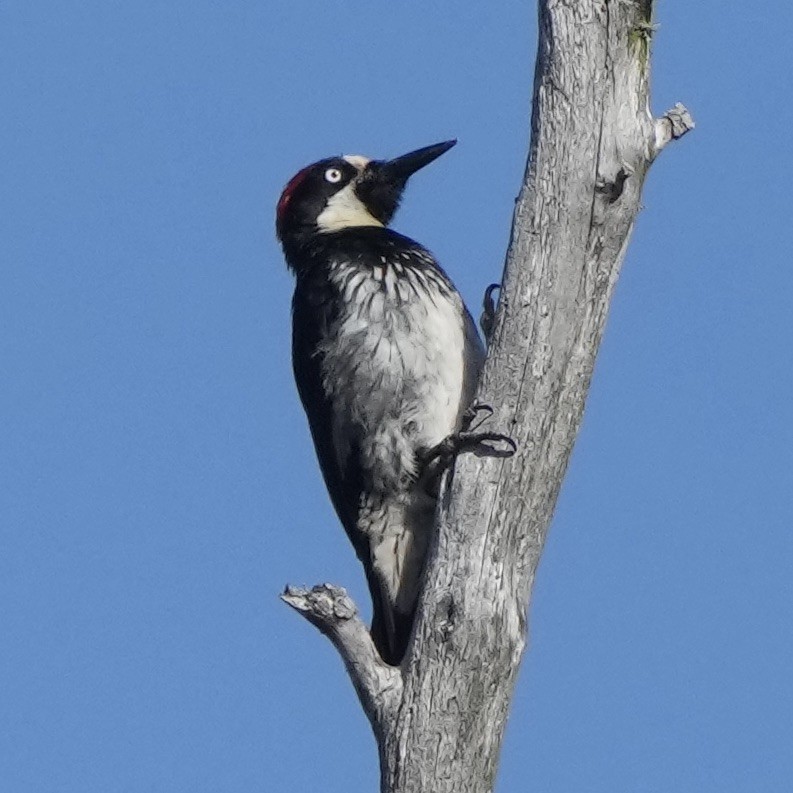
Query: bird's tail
{"points": [[391, 632], [396, 573]]}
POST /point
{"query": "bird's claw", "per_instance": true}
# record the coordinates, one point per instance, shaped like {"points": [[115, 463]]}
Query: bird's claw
{"points": [[471, 419], [488, 318], [466, 441]]}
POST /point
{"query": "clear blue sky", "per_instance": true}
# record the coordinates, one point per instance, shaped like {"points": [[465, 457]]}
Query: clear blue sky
{"points": [[158, 482]]}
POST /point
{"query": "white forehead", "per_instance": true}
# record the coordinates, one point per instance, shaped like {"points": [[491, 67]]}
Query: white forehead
{"points": [[358, 161]]}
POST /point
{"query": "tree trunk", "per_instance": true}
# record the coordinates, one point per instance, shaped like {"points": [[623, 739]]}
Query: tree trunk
{"points": [[439, 719]]}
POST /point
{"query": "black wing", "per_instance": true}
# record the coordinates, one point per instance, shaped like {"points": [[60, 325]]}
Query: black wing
{"points": [[310, 318]]}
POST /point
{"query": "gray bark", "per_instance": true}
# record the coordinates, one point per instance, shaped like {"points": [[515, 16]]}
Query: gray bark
{"points": [[439, 719]]}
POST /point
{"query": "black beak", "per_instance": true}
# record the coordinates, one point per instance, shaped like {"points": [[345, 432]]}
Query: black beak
{"points": [[382, 183], [402, 168]]}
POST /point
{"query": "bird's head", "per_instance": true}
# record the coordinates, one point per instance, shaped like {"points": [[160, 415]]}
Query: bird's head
{"points": [[344, 192]]}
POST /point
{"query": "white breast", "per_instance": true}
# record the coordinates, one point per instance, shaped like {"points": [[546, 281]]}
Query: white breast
{"points": [[394, 367]]}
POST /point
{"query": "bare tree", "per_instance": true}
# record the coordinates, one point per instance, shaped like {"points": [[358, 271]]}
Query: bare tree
{"points": [[439, 718]]}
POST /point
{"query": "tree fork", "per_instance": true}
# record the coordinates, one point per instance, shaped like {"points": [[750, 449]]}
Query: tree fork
{"points": [[439, 718]]}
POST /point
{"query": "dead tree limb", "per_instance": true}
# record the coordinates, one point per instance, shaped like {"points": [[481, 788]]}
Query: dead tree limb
{"points": [[439, 720]]}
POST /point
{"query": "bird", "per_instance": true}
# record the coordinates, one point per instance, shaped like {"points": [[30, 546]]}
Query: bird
{"points": [[386, 359]]}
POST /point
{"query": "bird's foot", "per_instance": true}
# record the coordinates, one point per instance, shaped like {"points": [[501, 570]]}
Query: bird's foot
{"points": [[468, 439], [473, 419], [462, 441], [488, 317], [434, 461]]}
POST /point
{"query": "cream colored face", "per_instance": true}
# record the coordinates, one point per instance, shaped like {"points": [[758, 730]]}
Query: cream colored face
{"points": [[358, 161], [345, 209]]}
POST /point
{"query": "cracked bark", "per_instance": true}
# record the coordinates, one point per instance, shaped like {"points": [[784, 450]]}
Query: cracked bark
{"points": [[439, 719]]}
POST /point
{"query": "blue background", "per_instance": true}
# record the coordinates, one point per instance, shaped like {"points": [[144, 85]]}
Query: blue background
{"points": [[158, 483]]}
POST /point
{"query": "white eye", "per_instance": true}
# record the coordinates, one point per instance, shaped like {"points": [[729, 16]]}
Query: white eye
{"points": [[333, 175]]}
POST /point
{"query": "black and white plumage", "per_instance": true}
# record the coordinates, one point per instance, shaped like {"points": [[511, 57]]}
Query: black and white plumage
{"points": [[386, 358]]}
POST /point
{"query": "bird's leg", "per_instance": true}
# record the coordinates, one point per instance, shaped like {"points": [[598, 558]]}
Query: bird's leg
{"points": [[468, 438], [488, 317], [462, 441]]}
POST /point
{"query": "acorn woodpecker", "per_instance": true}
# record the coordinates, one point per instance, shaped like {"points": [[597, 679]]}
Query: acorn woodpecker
{"points": [[386, 358]]}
